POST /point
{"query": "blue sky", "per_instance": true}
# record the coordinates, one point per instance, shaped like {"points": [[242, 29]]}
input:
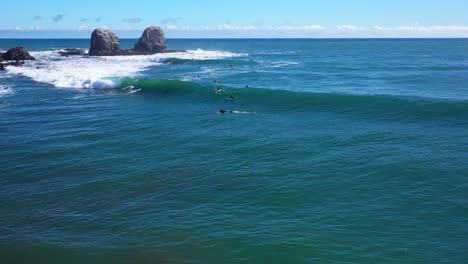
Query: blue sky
{"points": [[240, 18]]}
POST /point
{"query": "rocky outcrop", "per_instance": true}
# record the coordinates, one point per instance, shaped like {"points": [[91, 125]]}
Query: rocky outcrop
{"points": [[17, 54], [14, 57], [12, 63], [104, 43], [152, 41]]}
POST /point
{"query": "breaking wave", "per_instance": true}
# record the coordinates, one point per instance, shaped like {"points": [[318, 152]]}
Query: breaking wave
{"points": [[100, 72]]}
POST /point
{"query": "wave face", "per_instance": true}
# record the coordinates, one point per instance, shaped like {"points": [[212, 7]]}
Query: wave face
{"points": [[283, 100], [99, 72]]}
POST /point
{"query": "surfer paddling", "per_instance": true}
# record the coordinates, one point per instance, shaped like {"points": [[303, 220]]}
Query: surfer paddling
{"points": [[221, 111]]}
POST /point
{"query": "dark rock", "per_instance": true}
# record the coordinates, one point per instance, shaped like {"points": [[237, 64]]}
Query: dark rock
{"points": [[17, 54], [104, 43], [72, 52], [152, 41], [14, 63]]}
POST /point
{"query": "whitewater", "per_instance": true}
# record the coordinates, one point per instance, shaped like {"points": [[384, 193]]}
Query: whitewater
{"points": [[100, 72]]}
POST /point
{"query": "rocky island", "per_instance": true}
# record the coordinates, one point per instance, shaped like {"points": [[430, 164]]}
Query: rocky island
{"points": [[14, 57], [103, 42], [106, 43]]}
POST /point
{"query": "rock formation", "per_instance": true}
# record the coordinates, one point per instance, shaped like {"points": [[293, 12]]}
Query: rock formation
{"points": [[17, 54], [152, 41], [11, 63], [104, 43]]}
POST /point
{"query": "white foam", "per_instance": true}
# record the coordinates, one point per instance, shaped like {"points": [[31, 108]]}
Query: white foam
{"points": [[5, 91], [279, 64], [273, 52], [99, 72]]}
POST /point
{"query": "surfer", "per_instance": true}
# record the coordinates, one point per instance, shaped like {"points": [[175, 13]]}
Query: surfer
{"points": [[231, 97], [221, 111], [219, 89]]}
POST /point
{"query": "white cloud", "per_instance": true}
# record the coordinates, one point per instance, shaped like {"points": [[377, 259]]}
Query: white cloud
{"points": [[421, 31], [84, 27], [307, 28], [378, 28], [170, 27], [229, 27], [348, 28], [451, 28], [31, 28], [414, 30]]}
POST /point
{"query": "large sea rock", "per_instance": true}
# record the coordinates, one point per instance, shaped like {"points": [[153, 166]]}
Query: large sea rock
{"points": [[17, 54], [152, 41], [104, 43]]}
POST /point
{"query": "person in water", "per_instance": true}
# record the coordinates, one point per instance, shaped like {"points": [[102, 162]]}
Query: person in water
{"points": [[221, 111], [219, 89], [231, 97]]}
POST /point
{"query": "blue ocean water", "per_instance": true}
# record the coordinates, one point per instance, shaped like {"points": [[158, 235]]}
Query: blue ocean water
{"points": [[337, 151]]}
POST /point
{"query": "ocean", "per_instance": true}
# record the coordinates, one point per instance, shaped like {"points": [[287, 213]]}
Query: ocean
{"points": [[330, 151]]}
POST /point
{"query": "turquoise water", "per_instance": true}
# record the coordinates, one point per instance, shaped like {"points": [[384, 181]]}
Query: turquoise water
{"points": [[339, 151]]}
